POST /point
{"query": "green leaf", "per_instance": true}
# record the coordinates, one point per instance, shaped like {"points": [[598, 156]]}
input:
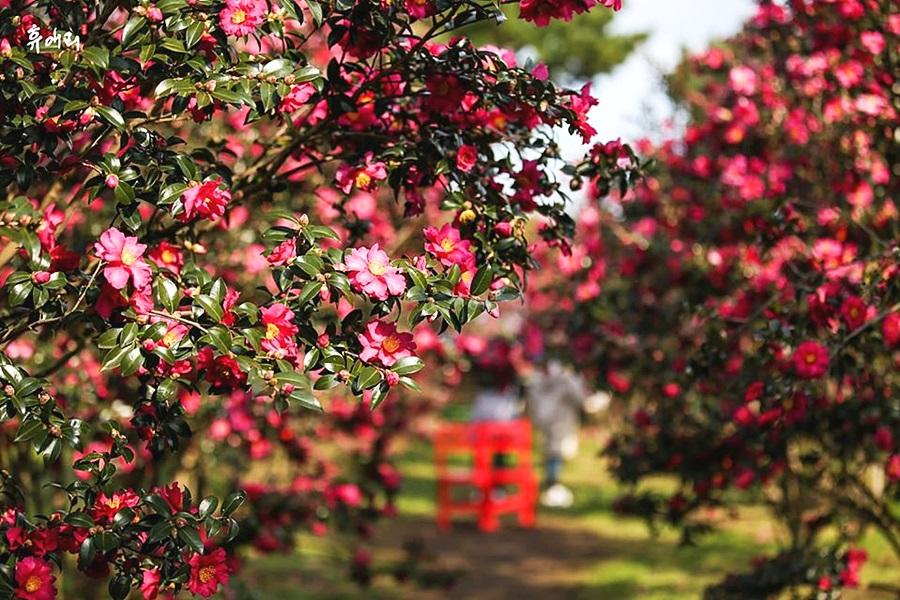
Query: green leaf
{"points": [[315, 9], [379, 394], [408, 365], [87, 552], [159, 531], [368, 377], [119, 586], [219, 338], [194, 33], [124, 193], [210, 307], [294, 378], [79, 519], [111, 116], [123, 517], [106, 541], [167, 293], [158, 503], [166, 390], [306, 399], [326, 382], [132, 27], [232, 502], [208, 506], [29, 430], [309, 291], [27, 387], [19, 293], [482, 280], [310, 264], [410, 384], [131, 362], [97, 57], [190, 537]]}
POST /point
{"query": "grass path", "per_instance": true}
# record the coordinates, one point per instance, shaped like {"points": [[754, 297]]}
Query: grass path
{"points": [[586, 552]]}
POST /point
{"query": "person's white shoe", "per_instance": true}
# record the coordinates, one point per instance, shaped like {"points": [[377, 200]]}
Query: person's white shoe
{"points": [[557, 496]]}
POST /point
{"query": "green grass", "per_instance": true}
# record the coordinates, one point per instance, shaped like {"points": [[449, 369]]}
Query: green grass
{"points": [[585, 552]]}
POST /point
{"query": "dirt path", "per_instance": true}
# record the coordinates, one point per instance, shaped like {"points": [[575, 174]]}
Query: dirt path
{"points": [[513, 563]]}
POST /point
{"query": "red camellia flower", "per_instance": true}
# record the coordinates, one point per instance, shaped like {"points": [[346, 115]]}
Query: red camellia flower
{"points": [[540, 12], [811, 360], [167, 256], [853, 311], [221, 371], [363, 178], [419, 9], [35, 580], [208, 572], [150, 584], [206, 200], [62, 259], [123, 257], [466, 157], [890, 329], [383, 344], [855, 560], [446, 245], [107, 506]]}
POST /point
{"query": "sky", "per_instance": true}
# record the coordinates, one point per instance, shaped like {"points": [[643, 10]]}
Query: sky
{"points": [[633, 103]]}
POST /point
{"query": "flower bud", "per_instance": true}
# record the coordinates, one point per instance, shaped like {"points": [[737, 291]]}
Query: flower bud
{"points": [[40, 277]]}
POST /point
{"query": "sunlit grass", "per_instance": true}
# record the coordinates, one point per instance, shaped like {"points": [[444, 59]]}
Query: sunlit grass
{"points": [[607, 555]]}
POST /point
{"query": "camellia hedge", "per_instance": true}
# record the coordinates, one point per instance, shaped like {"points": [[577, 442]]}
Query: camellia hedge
{"points": [[196, 254], [745, 300]]}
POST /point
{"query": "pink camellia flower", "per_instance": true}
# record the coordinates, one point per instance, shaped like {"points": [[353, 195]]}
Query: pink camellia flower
{"points": [[205, 199], [811, 360], [371, 273], [208, 571], [466, 157], [447, 246], [743, 80], [282, 253], [278, 320], [123, 256], [154, 13], [112, 181], [242, 17], [297, 97], [383, 344], [35, 579], [150, 584]]}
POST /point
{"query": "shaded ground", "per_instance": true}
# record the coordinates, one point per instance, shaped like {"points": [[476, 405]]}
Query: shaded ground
{"points": [[584, 553]]}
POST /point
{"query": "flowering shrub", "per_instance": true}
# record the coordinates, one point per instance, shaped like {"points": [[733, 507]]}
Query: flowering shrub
{"points": [[195, 256], [745, 298]]}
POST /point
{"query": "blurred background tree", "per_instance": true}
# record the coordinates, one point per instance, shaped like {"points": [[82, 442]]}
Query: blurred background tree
{"points": [[582, 48]]}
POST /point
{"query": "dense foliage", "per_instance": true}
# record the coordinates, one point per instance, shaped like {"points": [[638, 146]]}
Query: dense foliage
{"points": [[219, 216], [745, 300]]}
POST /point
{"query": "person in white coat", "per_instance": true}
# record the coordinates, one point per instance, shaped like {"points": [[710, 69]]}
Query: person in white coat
{"points": [[555, 398]]}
